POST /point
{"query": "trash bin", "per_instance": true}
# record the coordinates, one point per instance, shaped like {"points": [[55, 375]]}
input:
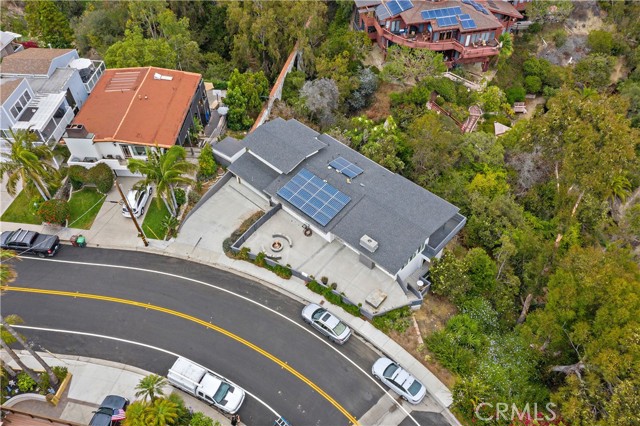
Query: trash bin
{"points": [[74, 240], [80, 241]]}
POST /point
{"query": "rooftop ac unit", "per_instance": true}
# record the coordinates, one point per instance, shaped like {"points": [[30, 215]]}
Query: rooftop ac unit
{"points": [[158, 76], [369, 243]]}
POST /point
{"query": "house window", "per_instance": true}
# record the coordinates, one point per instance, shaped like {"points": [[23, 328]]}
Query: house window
{"points": [[20, 104], [421, 28], [446, 35], [395, 26], [138, 150]]}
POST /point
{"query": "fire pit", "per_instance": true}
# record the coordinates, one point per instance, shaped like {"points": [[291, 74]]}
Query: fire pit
{"points": [[276, 246]]}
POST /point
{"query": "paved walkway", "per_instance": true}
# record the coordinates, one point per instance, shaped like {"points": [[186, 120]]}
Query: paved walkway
{"points": [[190, 246]]}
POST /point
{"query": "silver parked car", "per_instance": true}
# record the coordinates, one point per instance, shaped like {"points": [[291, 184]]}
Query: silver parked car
{"points": [[326, 323], [398, 379], [137, 199]]}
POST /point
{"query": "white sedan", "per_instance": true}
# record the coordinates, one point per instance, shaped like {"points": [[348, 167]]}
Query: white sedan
{"points": [[326, 323], [137, 199], [398, 379]]}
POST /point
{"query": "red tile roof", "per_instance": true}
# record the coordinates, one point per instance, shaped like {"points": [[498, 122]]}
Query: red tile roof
{"points": [[131, 105]]}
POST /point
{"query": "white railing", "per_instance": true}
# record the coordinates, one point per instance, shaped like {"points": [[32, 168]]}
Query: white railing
{"points": [[61, 127], [113, 164], [89, 85]]}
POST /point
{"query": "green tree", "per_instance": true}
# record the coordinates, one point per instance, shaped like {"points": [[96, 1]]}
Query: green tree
{"points": [[589, 331], [101, 25], [493, 99], [409, 65], [533, 84], [506, 46], [136, 51], [161, 412], [245, 96], [165, 169], [384, 144], [264, 32], [199, 419], [600, 41], [207, 166], [549, 11], [46, 22], [136, 413], [151, 387], [29, 164], [594, 71]]}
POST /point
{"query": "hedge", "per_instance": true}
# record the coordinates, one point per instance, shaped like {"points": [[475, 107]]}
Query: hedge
{"points": [[54, 211]]}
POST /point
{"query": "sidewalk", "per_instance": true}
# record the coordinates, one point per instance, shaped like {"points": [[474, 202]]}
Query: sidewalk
{"points": [[92, 380]]}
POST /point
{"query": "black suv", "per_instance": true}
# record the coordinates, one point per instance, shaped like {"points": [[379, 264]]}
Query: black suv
{"points": [[111, 411]]}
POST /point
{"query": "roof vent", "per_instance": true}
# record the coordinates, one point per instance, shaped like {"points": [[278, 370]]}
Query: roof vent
{"points": [[369, 243], [158, 76]]}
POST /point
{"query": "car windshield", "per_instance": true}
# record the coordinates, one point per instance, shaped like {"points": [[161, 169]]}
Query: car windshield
{"points": [[415, 388], [105, 410], [318, 313], [388, 372], [221, 392], [339, 329]]}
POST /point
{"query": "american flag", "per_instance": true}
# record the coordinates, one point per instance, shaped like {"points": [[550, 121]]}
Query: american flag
{"points": [[118, 415]]}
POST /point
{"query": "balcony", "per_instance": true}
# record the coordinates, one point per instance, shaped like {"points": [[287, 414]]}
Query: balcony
{"points": [[466, 52], [92, 80], [47, 116], [88, 162], [442, 236]]}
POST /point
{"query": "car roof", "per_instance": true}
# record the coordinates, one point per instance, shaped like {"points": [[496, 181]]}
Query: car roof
{"points": [[113, 401], [329, 319]]}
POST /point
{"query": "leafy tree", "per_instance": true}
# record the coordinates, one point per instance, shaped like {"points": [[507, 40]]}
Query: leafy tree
{"points": [[264, 32], [506, 46], [136, 414], [48, 23], [594, 71], [367, 85], [29, 164], [207, 166], [515, 94], [245, 96], [337, 69], [631, 91], [101, 25], [449, 277], [165, 169], [136, 51], [151, 387], [321, 98], [292, 85], [409, 65], [480, 148], [600, 41], [199, 419], [205, 20], [54, 211], [493, 99], [384, 145], [549, 11], [533, 84], [588, 330], [102, 176]]}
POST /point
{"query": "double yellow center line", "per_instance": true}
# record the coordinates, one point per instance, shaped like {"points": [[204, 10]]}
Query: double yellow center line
{"points": [[193, 319]]}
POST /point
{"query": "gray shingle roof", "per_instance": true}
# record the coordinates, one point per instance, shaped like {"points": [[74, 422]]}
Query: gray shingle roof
{"points": [[283, 144], [392, 210], [229, 146]]}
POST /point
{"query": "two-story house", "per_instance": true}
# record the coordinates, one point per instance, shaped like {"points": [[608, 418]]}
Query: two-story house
{"points": [[464, 31], [132, 109], [42, 90]]}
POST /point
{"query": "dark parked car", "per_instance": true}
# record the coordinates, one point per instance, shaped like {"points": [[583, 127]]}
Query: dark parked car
{"points": [[111, 411], [30, 242]]}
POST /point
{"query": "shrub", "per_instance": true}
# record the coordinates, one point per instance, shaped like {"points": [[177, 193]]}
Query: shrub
{"points": [[54, 211], [193, 198], [260, 260], [334, 286], [207, 166], [515, 94], [60, 372], [199, 419], [181, 196], [324, 280], [26, 383], [533, 84], [43, 383], [398, 320], [559, 38], [600, 41], [292, 85], [101, 176], [77, 176]]}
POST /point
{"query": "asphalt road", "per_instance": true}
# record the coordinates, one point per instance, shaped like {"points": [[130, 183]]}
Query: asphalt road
{"points": [[303, 399]]}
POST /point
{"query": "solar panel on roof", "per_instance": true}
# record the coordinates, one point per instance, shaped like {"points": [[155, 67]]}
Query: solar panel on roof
{"points": [[447, 21], [468, 24], [394, 7], [346, 167], [405, 4], [382, 12], [463, 17], [314, 197]]}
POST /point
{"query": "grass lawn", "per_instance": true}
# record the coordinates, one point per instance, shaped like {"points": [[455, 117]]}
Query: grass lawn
{"points": [[19, 211], [152, 225], [84, 207]]}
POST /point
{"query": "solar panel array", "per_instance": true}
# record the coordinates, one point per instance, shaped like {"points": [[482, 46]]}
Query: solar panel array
{"points": [[476, 6], [346, 167], [467, 22], [393, 8], [447, 21], [441, 13], [314, 197]]}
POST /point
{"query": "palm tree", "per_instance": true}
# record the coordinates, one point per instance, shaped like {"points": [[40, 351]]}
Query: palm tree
{"points": [[15, 319], [28, 163], [506, 45], [151, 387], [165, 170], [161, 413], [7, 273], [7, 339]]}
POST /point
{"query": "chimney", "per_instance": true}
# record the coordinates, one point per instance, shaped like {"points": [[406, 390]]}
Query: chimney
{"points": [[77, 131], [369, 243]]}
